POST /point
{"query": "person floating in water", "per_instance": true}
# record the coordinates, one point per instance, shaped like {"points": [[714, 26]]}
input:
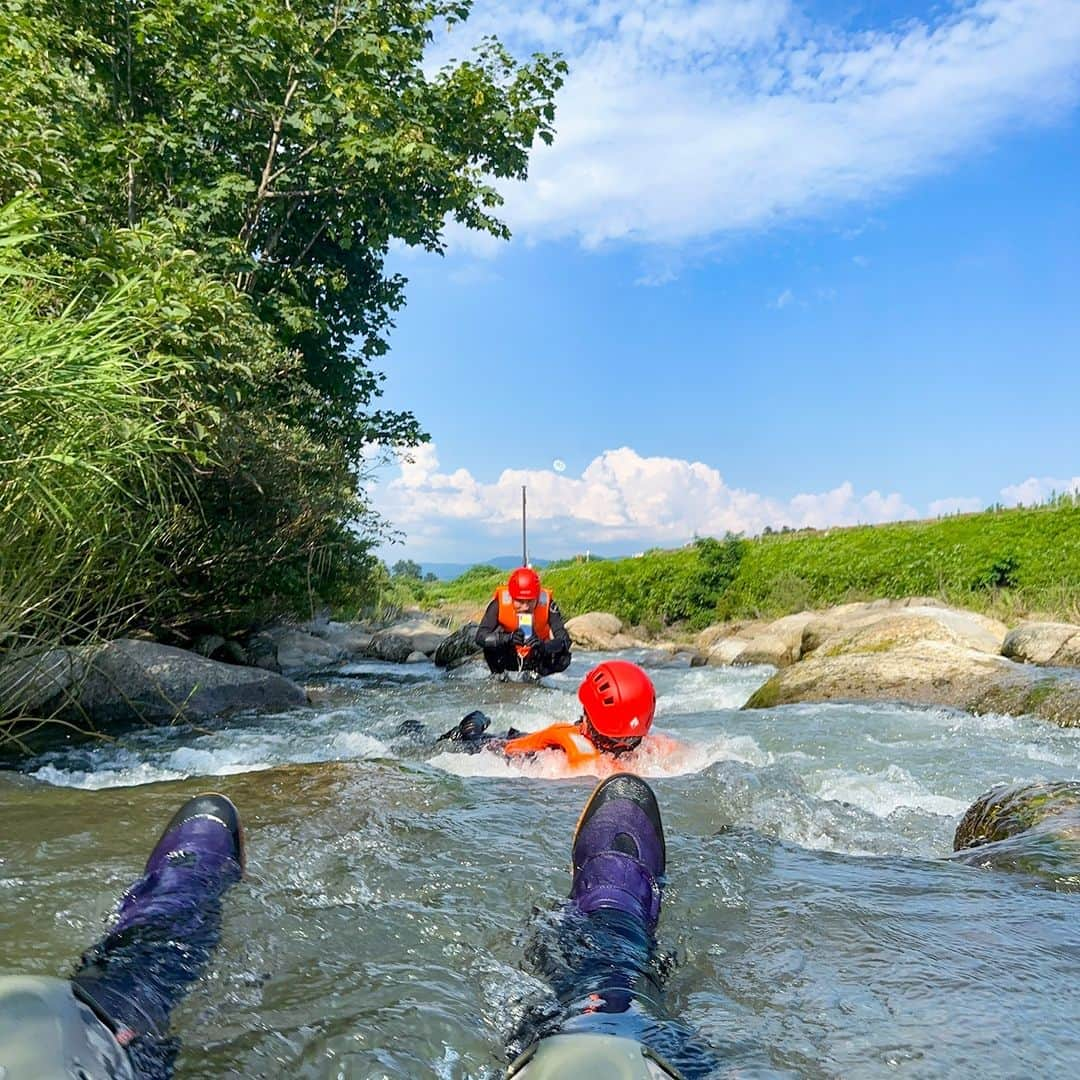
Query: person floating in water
{"points": [[522, 628], [110, 1020], [600, 956], [618, 702]]}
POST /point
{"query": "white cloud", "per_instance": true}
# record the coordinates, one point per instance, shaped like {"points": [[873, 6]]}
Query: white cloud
{"points": [[620, 501], [959, 504], [783, 299], [1036, 489], [686, 119]]}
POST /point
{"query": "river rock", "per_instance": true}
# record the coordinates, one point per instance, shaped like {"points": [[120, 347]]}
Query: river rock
{"points": [[1007, 810], [926, 673], [1050, 644], [262, 651], [350, 639], [388, 646], [298, 651], [30, 681], [128, 681], [457, 648], [778, 642], [599, 631], [878, 627], [416, 657]]}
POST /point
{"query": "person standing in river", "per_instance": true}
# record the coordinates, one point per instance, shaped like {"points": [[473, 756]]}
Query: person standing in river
{"points": [[522, 628], [110, 1020]]}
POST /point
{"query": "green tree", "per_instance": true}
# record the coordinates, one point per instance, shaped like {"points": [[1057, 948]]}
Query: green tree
{"points": [[244, 168], [406, 568], [288, 141]]}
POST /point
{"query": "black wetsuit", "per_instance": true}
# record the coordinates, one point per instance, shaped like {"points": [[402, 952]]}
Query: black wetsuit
{"points": [[546, 657]]}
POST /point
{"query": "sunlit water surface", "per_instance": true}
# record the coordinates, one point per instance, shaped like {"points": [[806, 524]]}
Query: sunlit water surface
{"points": [[819, 928]]}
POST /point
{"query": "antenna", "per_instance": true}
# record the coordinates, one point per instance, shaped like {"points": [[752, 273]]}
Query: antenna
{"points": [[524, 541]]}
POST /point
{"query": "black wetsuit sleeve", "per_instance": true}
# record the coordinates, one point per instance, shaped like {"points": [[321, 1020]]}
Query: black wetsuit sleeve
{"points": [[560, 636], [489, 625]]}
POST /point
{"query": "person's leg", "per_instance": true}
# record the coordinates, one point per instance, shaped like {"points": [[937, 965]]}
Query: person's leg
{"points": [[501, 659], [600, 953], [553, 664], [167, 927]]}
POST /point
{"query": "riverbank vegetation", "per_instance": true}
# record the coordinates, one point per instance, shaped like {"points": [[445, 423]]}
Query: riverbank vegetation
{"points": [[198, 200], [1009, 563]]}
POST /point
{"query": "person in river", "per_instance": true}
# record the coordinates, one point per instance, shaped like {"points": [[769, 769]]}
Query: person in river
{"points": [[600, 957], [618, 702], [522, 628], [109, 1021]]}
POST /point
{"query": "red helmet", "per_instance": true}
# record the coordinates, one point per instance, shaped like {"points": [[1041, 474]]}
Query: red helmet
{"points": [[619, 699], [524, 584]]}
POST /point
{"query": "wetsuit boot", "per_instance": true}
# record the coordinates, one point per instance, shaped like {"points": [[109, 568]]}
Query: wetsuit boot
{"points": [[618, 858], [619, 854], [167, 925]]}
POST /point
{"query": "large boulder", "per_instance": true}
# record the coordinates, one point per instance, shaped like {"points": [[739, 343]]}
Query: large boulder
{"points": [[128, 681], [457, 648], [925, 673], [880, 626], [1051, 644], [599, 631]]}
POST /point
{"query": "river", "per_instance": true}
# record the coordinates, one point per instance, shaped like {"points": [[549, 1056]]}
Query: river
{"points": [[817, 925]]}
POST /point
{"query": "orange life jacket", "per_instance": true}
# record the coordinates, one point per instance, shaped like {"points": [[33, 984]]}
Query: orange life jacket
{"points": [[565, 737], [508, 617]]}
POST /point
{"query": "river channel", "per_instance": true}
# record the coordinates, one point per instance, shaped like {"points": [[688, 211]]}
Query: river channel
{"points": [[817, 925]]}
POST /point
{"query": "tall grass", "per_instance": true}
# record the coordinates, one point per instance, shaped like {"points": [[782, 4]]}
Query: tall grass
{"points": [[87, 462]]}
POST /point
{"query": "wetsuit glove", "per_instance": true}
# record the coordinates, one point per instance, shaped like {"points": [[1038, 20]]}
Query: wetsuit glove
{"points": [[469, 729], [497, 638], [518, 638]]}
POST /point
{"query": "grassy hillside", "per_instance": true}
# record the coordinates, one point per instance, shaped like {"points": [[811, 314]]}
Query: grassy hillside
{"points": [[1012, 563]]}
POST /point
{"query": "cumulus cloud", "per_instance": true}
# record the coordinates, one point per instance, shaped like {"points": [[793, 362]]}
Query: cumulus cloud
{"points": [[1037, 489], [959, 504], [686, 119], [620, 502]]}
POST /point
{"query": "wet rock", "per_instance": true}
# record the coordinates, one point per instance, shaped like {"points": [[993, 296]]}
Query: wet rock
{"points": [[1047, 643], [125, 682], [1008, 810], [215, 647], [388, 646], [262, 651], [416, 657], [926, 673], [457, 648]]}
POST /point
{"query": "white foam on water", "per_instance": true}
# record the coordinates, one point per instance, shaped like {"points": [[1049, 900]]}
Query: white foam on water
{"points": [[105, 778], [649, 761], [883, 792], [707, 689], [231, 752]]}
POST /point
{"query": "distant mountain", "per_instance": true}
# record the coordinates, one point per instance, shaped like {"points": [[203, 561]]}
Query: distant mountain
{"points": [[446, 570]]}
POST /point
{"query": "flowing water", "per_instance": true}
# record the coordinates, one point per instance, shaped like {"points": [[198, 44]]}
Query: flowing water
{"points": [[817, 924]]}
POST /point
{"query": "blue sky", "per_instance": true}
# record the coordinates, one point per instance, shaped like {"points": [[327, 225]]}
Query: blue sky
{"points": [[785, 264]]}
